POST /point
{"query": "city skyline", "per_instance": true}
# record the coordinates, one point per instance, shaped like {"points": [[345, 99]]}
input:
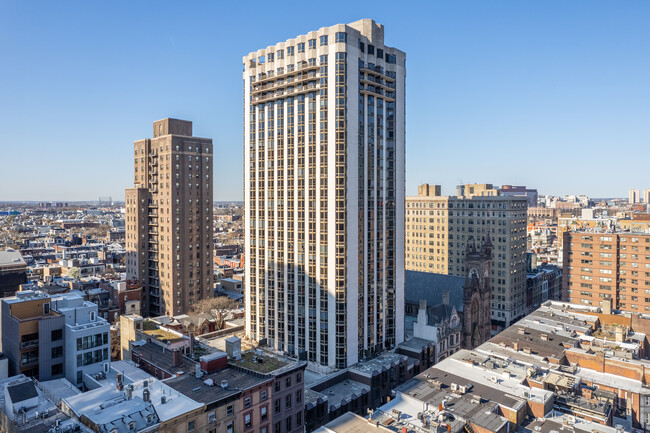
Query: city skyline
{"points": [[534, 83]]}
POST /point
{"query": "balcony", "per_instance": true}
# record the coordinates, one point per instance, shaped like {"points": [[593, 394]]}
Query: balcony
{"points": [[28, 362], [28, 344]]}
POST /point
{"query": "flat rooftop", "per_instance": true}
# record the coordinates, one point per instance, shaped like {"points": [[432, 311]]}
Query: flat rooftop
{"points": [[11, 258], [416, 344], [434, 384], [351, 423], [261, 363], [555, 424], [543, 344], [162, 358], [378, 364], [343, 392], [201, 391]]}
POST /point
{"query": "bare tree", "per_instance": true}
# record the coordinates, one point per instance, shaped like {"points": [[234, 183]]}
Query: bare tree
{"points": [[216, 307]]}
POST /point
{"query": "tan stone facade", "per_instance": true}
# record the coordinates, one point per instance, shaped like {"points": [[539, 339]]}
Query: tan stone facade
{"points": [[169, 218], [324, 152], [439, 228]]}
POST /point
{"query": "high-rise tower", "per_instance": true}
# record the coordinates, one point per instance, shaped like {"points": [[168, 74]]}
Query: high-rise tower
{"points": [[169, 218], [324, 140]]}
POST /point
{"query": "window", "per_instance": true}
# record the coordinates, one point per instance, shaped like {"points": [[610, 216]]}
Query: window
{"points": [[277, 405], [298, 397], [230, 410], [301, 47], [263, 395], [290, 51], [57, 352], [323, 40], [277, 386], [247, 421], [57, 335], [289, 424], [212, 417], [287, 401], [190, 426], [299, 418], [341, 37], [312, 44], [263, 413], [46, 308], [230, 427], [298, 377], [288, 381], [247, 402], [57, 369]]}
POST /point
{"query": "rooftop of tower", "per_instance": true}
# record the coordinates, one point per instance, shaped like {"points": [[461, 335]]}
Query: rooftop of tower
{"points": [[366, 27]]}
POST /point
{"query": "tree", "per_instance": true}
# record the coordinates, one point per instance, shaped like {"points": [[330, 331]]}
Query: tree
{"points": [[74, 272], [220, 303], [215, 307]]}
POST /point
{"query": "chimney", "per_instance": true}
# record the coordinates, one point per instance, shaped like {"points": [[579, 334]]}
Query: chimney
{"points": [[515, 346], [422, 312], [445, 297], [177, 358], [620, 337], [191, 343], [607, 306], [118, 381]]}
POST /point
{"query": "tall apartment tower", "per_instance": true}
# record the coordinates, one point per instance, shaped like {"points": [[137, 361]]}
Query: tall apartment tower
{"points": [[439, 229], [324, 142], [634, 196], [169, 219]]}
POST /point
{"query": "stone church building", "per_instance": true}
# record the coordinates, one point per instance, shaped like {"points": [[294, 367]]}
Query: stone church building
{"points": [[451, 311]]}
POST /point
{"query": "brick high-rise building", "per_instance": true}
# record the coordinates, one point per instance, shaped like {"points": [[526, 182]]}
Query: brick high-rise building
{"points": [[602, 266], [439, 229], [169, 219], [324, 140]]}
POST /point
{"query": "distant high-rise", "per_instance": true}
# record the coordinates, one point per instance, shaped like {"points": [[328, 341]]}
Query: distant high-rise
{"points": [[440, 229], [169, 218], [516, 190], [646, 195], [324, 137], [634, 196]]}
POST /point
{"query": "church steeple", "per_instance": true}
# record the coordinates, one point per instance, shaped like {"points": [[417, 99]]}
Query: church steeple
{"points": [[477, 294]]}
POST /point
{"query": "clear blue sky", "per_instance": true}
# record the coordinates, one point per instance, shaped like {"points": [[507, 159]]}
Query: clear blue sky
{"points": [[551, 94]]}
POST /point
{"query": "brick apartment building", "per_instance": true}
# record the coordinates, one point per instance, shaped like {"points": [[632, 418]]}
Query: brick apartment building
{"points": [[603, 266]]}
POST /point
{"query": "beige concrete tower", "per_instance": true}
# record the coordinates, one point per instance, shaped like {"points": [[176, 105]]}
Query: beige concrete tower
{"points": [[169, 218], [324, 140]]}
